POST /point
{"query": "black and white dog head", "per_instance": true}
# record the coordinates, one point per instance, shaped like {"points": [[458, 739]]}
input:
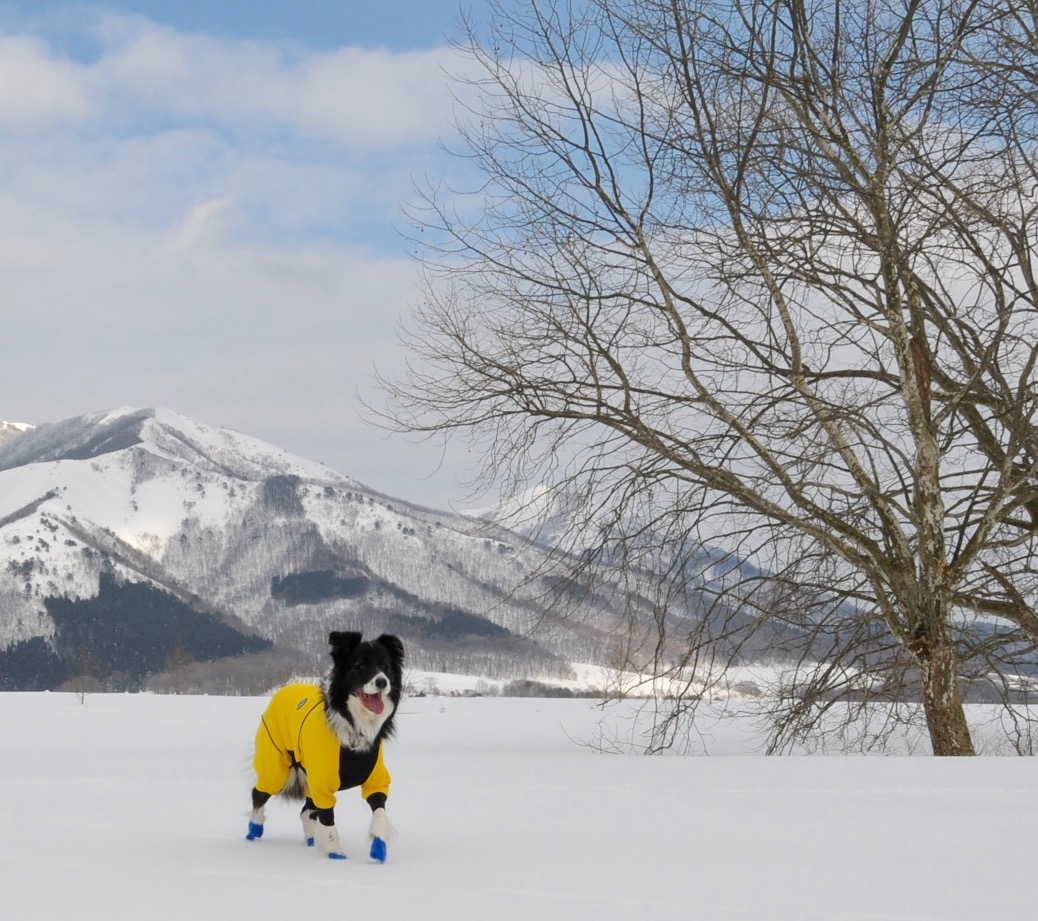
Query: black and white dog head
{"points": [[362, 691]]}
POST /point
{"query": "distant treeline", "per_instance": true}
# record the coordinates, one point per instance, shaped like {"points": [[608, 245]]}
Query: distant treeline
{"points": [[127, 632]]}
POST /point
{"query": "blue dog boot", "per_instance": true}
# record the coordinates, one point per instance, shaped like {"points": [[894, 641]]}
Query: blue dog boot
{"points": [[380, 830], [378, 850], [255, 831]]}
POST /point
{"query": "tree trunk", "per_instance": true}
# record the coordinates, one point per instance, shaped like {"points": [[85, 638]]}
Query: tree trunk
{"points": [[945, 717]]}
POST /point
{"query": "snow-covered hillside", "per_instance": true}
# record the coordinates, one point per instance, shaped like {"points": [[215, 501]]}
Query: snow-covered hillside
{"points": [[285, 547], [134, 806], [9, 430]]}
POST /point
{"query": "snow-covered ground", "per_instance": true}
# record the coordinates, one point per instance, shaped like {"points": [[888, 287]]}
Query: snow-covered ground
{"points": [[134, 806]]}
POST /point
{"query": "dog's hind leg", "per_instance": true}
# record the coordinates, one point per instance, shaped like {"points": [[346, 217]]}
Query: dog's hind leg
{"points": [[259, 803]]}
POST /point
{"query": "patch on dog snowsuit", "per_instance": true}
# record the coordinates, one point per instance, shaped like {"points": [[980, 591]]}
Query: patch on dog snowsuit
{"points": [[294, 731]]}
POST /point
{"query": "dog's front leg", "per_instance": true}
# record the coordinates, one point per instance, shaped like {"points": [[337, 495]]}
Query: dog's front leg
{"points": [[380, 829], [327, 839], [326, 835]]}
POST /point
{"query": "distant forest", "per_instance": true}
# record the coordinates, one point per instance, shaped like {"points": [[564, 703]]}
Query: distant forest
{"points": [[116, 640]]}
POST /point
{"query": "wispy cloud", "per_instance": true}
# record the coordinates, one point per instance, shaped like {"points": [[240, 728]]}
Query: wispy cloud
{"points": [[200, 224], [143, 74]]}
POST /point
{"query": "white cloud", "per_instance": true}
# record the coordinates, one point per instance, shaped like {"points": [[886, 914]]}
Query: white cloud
{"points": [[158, 121], [36, 88], [373, 97], [365, 98]]}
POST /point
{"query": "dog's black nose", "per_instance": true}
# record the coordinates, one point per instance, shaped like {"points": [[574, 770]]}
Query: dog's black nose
{"points": [[381, 683]]}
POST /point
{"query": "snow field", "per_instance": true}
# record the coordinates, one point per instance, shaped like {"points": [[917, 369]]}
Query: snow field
{"points": [[135, 806]]}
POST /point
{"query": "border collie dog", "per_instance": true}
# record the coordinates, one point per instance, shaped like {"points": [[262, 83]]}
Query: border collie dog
{"points": [[317, 739]]}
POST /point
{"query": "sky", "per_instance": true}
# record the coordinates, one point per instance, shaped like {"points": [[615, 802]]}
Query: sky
{"points": [[201, 209]]}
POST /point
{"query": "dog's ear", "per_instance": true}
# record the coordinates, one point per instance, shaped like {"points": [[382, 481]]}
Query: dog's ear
{"points": [[343, 643], [395, 648]]}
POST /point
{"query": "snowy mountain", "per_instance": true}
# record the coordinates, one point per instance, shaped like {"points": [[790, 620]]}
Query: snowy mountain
{"points": [[109, 513], [9, 430], [555, 519], [540, 514]]}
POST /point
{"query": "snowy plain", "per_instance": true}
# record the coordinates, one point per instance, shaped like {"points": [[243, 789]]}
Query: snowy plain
{"points": [[135, 806]]}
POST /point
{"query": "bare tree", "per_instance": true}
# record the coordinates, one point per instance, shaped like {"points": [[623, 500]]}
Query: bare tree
{"points": [[759, 275]]}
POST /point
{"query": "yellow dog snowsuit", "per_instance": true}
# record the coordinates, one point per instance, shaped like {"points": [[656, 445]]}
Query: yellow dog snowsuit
{"points": [[294, 732]]}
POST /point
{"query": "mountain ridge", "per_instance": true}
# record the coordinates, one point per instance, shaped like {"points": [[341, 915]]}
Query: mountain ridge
{"points": [[219, 521], [9, 430]]}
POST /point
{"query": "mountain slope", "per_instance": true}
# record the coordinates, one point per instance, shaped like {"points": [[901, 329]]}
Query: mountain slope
{"points": [[278, 547]]}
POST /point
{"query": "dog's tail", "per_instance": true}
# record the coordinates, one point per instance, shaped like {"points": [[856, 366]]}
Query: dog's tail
{"points": [[295, 787]]}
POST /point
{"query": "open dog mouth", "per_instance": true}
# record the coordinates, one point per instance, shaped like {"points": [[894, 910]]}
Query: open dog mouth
{"points": [[374, 702]]}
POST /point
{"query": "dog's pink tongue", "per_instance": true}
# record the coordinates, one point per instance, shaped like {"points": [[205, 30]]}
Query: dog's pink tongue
{"points": [[373, 702]]}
